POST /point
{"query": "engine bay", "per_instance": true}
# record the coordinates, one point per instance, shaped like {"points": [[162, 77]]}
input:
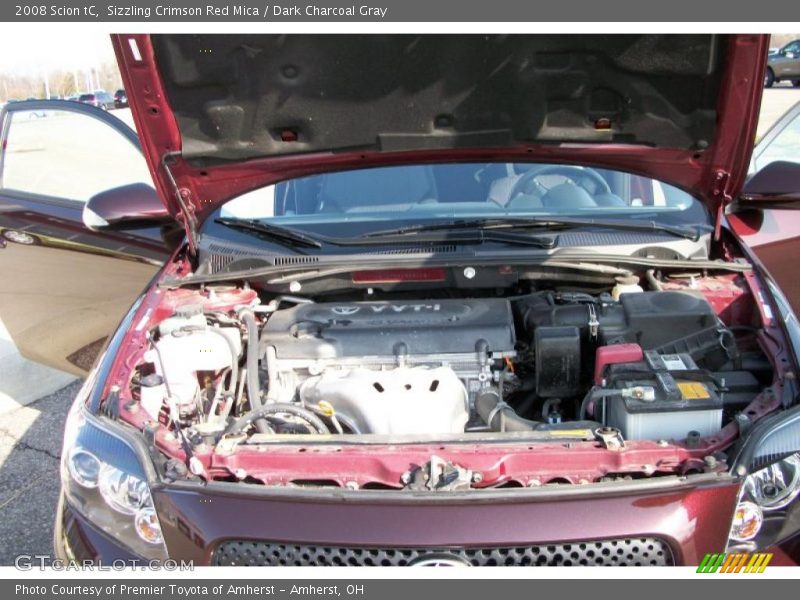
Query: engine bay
{"points": [[435, 389]]}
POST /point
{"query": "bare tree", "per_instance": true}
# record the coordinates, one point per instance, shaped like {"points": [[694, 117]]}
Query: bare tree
{"points": [[62, 83]]}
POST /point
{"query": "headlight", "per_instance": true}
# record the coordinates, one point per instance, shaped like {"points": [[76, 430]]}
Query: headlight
{"points": [[147, 526], [776, 486], [104, 480], [83, 467], [123, 492], [747, 521], [768, 510]]}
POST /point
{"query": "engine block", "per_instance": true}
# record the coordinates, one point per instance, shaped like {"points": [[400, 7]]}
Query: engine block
{"points": [[421, 362]]}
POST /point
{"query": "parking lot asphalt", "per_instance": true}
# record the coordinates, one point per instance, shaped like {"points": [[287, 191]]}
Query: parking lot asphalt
{"points": [[30, 436], [30, 446], [774, 103]]}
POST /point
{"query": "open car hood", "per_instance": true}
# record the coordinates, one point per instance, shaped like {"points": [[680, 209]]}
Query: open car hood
{"points": [[220, 115]]}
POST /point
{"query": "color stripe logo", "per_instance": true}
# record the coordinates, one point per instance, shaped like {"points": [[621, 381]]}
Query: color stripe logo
{"points": [[739, 562]]}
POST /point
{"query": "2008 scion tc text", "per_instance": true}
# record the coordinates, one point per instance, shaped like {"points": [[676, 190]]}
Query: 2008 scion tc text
{"points": [[52, 10]]}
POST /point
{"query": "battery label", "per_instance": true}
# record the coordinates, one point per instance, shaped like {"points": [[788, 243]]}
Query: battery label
{"points": [[693, 390], [673, 362]]}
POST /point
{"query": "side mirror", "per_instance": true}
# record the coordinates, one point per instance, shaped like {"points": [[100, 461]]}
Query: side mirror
{"points": [[133, 206], [775, 186], [789, 54]]}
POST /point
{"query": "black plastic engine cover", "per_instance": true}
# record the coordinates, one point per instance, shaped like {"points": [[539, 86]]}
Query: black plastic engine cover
{"points": [[557, 351], [355, 329]]}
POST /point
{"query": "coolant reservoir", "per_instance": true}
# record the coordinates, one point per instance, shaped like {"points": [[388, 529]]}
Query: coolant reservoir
{"points": [[182, 353], [626, 284]]}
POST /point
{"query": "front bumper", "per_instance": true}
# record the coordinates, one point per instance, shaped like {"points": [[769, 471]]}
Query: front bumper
{"points": [[203, 524]]}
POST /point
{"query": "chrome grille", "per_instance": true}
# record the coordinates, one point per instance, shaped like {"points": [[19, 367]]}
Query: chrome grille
{"points": [[618, 552]]}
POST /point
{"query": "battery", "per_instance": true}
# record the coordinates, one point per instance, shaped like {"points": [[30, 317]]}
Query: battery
{"points": [[665, 397]]}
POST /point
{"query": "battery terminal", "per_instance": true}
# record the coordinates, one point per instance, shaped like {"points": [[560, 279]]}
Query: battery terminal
{"points": [[644, 393]]}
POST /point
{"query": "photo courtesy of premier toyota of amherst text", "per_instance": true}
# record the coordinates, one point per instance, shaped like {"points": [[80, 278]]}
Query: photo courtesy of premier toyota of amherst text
{"points": [[296, 299]]}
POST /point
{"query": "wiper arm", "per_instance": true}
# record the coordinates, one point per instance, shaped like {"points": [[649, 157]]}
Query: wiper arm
{"points": [[692, 233], [689, 232], [506, 237], [460, 235], [297, 238], [281, 234], [449, 225]]}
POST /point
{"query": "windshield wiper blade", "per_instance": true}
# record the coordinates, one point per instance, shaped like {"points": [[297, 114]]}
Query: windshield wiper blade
{"points": [[281, 234], [689, 232], [506, 237], [452, 224], [460, 236], [297, 238]]}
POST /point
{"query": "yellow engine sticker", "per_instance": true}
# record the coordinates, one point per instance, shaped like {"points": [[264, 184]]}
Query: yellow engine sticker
{"points": [[693, 390], [573, 433]]}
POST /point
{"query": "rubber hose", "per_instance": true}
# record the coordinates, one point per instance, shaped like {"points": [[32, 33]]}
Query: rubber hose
{"points": [[234, 361], [279, 407], [489, 405], [527, 404], [253, 380], [547, 405], [272, 374], [650, 275], [595, 395], [276, 302]]}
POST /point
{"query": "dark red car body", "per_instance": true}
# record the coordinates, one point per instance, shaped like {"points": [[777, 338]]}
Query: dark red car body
{"points": [[693, 521], [690, 514]]}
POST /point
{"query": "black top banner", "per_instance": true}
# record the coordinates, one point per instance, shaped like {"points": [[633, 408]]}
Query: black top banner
{"points": [[439, 11]]}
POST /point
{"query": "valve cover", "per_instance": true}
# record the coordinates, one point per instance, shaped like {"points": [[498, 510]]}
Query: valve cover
{"points": [[357, 329]]}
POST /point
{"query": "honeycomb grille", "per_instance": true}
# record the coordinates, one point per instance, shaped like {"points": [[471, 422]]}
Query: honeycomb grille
{"points": [[617, 552]]}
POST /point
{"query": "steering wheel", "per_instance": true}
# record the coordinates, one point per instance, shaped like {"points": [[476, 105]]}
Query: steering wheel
{"points": [[589, 179]]}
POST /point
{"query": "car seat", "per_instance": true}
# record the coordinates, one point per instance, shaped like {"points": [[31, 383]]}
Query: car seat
{"points": [[374, 190]]}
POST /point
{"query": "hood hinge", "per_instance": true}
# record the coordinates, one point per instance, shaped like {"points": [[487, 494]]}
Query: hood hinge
{"points": [[722, 196], [183, 197]]}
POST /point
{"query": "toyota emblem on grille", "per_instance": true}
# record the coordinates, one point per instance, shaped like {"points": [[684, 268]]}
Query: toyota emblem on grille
{"points": [[439, 560]]}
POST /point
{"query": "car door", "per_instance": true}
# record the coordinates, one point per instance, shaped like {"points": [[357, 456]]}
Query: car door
{"points": [[65, 287], [793, 67], [773, 234]]}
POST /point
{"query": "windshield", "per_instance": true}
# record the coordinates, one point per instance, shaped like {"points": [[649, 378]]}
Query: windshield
{"points": [[350, 202]]}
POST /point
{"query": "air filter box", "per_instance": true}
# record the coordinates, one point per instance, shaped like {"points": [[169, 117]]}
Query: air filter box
{"points": [[650, 319]]}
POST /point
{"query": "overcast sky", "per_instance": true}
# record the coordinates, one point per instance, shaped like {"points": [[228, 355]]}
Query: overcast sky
{"points": [[24, 54]]}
